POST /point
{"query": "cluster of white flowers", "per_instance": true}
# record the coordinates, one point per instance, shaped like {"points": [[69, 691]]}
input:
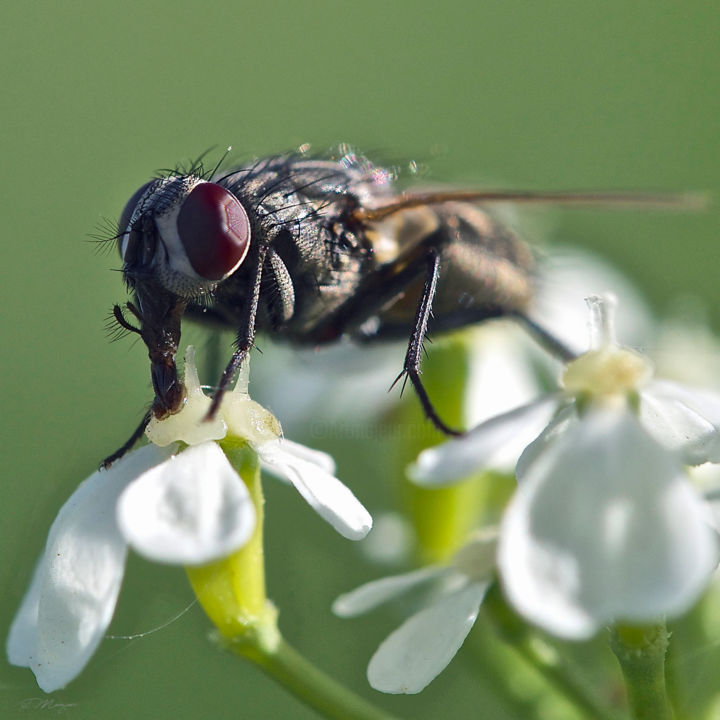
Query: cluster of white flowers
{"points": [[182, 508], [605, 525]]}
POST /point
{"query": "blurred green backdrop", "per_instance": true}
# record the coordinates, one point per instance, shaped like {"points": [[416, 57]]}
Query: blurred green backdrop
{"points": [[97, 96]]}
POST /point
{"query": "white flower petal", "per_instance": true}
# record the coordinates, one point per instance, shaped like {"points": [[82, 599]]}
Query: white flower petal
{"points": [[476, 451], [605, 526], [72, 597], [684, 418], [321, 490], [555, 428], [412, 656], [190, 510], [316, 457], [369, 596], [501, 373], [476, 559]]}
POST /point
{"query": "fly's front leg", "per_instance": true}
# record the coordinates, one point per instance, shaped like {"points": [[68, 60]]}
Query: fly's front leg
{"points": [[245, 336], [137, 434], [411, 367]]}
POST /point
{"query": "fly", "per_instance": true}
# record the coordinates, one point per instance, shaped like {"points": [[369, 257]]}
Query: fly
{"points": [[309, 250]]}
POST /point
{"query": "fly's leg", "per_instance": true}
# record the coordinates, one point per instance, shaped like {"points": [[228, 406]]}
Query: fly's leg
{"points": [[384, 286], [411, 367], [544, 338], [245, 337], [122, 322], [139, 430]]}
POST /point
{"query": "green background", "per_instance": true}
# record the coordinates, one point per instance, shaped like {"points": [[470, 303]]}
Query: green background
{"points": [[97, 96]]}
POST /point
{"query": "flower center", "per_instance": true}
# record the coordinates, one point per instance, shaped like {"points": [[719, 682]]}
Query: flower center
{"points": [[605, 372]]}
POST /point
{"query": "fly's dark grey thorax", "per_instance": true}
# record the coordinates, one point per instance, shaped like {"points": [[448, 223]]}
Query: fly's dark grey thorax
{"points": [[301, 211]]}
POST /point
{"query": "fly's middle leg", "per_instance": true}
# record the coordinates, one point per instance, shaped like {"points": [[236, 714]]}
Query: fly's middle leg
{"points": [[413, 357]]}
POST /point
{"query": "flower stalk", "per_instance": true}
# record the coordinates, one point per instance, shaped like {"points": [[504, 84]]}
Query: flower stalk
{"points": [[641, 650], [232, 593], [297, 675], [526, 644], [232, 590], [442, 518]]}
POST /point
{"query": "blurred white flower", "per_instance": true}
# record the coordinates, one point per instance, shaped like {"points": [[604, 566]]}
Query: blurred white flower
{"points": [[185, 508], [564, 275], [684, 347], [392, 540], [605, 524], [420, 649], [681, 418]]}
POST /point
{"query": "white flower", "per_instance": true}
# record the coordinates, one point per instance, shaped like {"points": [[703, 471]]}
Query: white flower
{"points": [[311, 472], [605, 524], [186, 508], [683, 419], [75, 586], [420, 649]]}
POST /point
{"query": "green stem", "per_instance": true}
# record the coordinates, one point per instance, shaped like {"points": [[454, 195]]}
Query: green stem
{"points": [[641, 654], [488, 652], [232, 593], [542, 658], [301, 678], [557, 676]]}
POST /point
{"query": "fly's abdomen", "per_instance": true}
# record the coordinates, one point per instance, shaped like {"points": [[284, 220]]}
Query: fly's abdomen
{"points": [[484, 267], [485, 270]]}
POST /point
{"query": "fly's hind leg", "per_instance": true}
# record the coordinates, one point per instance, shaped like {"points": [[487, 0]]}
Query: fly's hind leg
{"points": [[544, 338], [413, 357], [380, 288]]}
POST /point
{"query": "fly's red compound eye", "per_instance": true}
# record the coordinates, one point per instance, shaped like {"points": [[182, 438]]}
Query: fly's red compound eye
{"points": [[214, 230]]}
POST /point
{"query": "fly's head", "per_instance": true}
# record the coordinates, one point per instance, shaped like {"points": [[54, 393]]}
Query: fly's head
{"points": [[178, 237]]}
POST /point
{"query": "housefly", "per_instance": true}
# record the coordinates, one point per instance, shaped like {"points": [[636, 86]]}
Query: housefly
{"points": [[309, 250]]}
